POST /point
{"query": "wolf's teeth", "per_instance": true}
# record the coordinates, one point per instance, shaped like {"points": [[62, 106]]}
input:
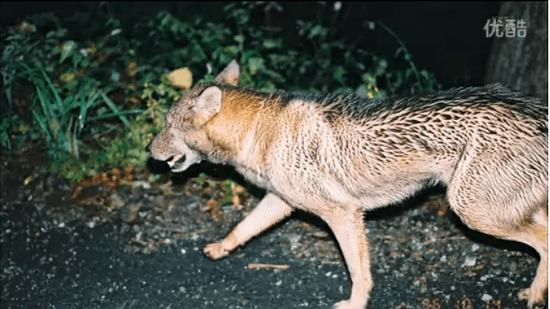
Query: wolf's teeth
{"points": [[174, 160]]}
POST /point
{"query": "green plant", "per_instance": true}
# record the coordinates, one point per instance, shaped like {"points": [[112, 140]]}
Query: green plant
{"points": [[12, 129], [227, 192], [129, 148], [68, 84], [425, 81], [201, 179], [60, 107], [62, 119]]}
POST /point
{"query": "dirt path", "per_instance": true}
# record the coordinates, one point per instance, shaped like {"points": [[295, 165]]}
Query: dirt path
{"points": [[139, 245]]}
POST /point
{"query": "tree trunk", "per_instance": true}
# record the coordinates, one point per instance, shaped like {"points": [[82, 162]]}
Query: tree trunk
{"points": [[522, 63]]}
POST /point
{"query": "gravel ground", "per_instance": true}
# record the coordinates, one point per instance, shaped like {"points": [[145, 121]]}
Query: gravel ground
{"points": [[138, 244]]}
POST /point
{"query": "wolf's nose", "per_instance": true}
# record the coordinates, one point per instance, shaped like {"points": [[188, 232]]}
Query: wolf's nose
{"points": [[148, 147]]}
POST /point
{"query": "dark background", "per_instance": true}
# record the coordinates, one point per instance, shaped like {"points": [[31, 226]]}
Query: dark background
{"points": [[446, 38]]}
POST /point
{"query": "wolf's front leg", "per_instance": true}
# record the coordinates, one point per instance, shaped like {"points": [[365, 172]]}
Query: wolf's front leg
{"points": [[349, 228], [269, 211]]}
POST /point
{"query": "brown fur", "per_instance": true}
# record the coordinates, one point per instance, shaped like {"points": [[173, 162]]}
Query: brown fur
{"points": [[337, 155]]}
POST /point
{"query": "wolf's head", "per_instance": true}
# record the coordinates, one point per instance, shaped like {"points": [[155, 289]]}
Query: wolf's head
{"points": [[184, 141]]}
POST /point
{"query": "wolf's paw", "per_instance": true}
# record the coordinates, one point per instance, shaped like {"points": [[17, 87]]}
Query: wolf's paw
{"points": [[347, 304], [215, 250], [532, 296]]}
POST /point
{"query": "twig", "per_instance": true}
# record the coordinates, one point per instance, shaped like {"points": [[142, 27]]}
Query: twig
{"points": [[271, 266]]}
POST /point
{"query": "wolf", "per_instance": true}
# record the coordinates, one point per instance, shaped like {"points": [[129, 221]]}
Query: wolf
{"points": [[339, 155]]}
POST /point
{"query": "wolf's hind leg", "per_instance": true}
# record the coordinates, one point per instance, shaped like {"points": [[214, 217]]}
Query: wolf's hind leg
{"points": [[269, 211], [536, 236], [518, 224]]}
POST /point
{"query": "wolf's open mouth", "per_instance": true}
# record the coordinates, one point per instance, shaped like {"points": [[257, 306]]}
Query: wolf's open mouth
{"points": [[177, 163]]}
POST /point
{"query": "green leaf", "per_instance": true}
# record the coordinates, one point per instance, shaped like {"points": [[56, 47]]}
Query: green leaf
{"points": [[57, 100], [318, 30], [239, 38], [117, 114], [425, 74], [369, 79], [270, 43], [231, 50], [255, 64], [67, 50], [339, 73], [42, 123], [381, 68], [115, 109], [408, 72], [115, 76]]}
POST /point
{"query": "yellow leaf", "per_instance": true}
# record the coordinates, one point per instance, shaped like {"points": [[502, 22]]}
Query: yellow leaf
{"points": [[25, 27], [23, 128], [132, 68], [236, 200], [182, 78], [67, 77], [236, 189]]}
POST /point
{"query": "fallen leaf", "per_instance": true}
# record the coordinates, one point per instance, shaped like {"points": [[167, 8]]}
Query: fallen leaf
{"points": [[182, 78], [237, 189], [28, 180], [212, 208], [236, 200]]}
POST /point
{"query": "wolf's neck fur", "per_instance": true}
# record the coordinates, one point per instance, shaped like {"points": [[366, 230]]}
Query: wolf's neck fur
{"points": [[228, 129]]}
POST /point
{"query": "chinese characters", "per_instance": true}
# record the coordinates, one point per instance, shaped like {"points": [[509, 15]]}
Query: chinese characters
{"points": [[505, 27]]}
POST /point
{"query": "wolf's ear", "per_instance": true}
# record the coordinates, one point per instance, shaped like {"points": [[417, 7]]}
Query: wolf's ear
{"points": [[229, 75], [208, 104]]}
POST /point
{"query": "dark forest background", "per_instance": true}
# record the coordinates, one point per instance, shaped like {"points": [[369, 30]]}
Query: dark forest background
{"points": [[446, 38]]}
